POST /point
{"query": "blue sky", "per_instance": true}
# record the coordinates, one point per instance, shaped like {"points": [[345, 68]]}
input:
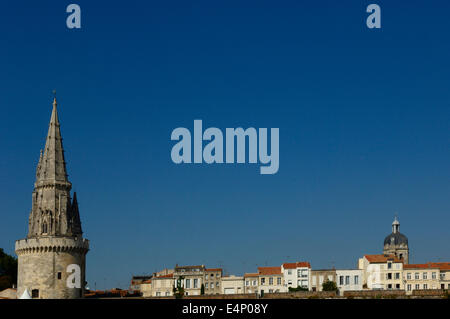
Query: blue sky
{"points": [[364, 119]]}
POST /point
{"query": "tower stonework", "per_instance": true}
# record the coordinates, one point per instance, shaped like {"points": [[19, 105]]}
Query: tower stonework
{"points": [[55, 238], [396, 243]]}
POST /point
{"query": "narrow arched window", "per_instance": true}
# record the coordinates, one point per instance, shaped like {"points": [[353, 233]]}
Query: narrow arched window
{"points": [[44, 227]]}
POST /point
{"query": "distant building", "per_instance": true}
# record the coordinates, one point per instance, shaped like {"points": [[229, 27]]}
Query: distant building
{"points": [[191, 278], [270, 280], [212, 281], [382, 272], [426, 276], [161, 286], [251, 281], [232, 285], [297, 274], [318, 277], [396, 243], [349, 280], [136, 281]]}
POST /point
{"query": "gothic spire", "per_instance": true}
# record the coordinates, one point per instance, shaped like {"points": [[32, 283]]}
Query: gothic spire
{"points": [[52, 166]]}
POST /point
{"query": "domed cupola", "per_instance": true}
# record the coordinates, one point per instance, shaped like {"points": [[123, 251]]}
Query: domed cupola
{"points": [[397, 243]]}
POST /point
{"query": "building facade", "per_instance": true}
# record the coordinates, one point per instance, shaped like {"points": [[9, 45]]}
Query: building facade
{"points": [[270, 280], [381, 272], [213, 281], [232, 285], [318, 277], [191, 278], [52, 258], [296, 275], [251, 281], [348, 280]]}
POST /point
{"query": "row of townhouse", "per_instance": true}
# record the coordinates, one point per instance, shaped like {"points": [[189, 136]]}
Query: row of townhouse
{"points": [[375, 272], [210, 281], [388, 272]]}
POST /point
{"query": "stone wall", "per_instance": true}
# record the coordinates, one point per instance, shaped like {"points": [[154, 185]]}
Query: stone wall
{"points": [[42, 265], [382, 294]]}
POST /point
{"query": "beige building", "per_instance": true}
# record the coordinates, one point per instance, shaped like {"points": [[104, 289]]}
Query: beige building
{"points": [[420, 277], [161, 286], [270, 280], [426, 276], [232, 285], [382, 272], [213, 281], [318, 277], [251, 281], [348, 280], [191, 278]]}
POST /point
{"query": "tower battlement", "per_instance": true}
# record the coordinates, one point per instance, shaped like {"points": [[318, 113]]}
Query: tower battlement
{"points": [[55, 244]]}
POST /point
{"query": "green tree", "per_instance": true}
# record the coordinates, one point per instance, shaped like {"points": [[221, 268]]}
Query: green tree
{"points": [[329, 286], [202, 289], [8, 270], [178, 290]]}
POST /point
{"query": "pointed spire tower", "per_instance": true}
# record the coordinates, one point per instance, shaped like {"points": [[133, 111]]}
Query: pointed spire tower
{"points": [[53, 213], [55, 238]]}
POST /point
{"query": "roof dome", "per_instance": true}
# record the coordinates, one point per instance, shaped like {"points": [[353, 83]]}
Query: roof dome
{"points": [[396, 239]]}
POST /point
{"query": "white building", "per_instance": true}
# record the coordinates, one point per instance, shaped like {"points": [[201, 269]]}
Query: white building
{"points": [[296, 274], [232, 285], [349, 280], [382, 272]]}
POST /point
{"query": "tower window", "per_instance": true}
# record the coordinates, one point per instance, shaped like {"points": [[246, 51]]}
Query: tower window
{"points": [[59, 275], [44, 228]]}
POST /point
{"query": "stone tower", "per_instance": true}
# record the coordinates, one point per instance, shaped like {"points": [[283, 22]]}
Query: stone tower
{"points": [[396, 243], [52, 258]]}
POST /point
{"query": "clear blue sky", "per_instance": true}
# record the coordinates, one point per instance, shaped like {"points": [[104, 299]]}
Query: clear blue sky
{"points": [[364, 118]]}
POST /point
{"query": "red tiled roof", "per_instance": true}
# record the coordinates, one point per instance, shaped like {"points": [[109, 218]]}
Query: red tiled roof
{"points": [[269, 270], [382, 258], [421, 266], [441, 266], [213, 269], [296, 265], [147, 282], [251, 275]]}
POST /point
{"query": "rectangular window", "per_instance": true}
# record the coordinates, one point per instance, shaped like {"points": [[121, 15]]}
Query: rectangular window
{"points": [[263, 281], [59, 275], [247, 283], [290, 272], [425, 286], [424, 275], [195, 283], [397, 275], [390, 286], [35, 293], [389, 276], [167, 293], [304, 273], [254, 282], [416, 276], [270, 281], [389, 265], [270, 290], [305, 283], [341, 280], [433, 275], [409, 287], [417, 286], [299, 273], [397, 286], [217, 284], [188, 283], [279, 281], [347, 280], [289, 282], [356, 280], [158, 294], [408, 276]]}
